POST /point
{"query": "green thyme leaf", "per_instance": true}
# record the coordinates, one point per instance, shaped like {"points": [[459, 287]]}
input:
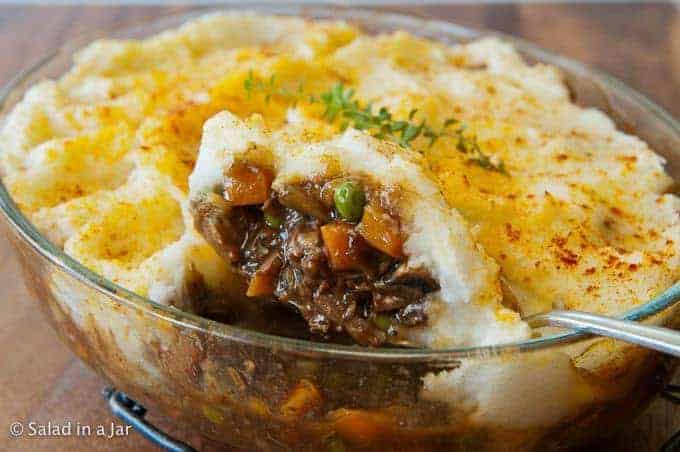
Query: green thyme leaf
{"points": [[410, 133], [269, 88], [450, 122]]}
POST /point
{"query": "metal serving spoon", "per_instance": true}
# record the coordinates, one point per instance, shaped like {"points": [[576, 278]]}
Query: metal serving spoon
{"points": [[657, 338]]}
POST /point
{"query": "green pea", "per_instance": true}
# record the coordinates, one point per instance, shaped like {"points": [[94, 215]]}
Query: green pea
{"points": [[382, 321], [349, 200], [272, 220]]}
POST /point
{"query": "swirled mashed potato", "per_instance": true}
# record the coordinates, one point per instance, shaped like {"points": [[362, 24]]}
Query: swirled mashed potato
{"points": [[100, 159]]}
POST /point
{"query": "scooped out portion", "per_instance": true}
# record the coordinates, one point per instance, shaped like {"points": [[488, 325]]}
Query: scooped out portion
{"points": [[331, 248], [350, 232]]}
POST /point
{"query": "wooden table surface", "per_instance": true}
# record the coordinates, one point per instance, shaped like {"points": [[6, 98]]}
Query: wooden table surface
{"points": [[40, 380]]}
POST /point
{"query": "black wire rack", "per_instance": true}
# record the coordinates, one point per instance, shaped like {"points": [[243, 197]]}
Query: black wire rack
{"points": [[132, 413]]}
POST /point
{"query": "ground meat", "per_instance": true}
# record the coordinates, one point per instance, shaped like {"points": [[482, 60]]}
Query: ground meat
{"points": [[295, 257]]}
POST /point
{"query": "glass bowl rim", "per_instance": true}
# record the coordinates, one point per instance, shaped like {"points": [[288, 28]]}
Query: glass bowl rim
{"points": [[22, 227]]}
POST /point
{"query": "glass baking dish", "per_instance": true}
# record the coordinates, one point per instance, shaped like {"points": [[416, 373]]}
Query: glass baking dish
{"points": [[256, 391]]}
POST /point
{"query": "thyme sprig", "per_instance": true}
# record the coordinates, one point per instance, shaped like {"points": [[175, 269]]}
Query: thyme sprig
{"points": [[341, 105], [468, 144], [270, 88]]}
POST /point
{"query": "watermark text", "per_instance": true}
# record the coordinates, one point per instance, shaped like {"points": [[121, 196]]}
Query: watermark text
{"points": [[67, 428]]}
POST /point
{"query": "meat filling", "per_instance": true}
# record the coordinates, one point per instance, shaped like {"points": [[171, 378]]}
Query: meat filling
{"points": [[331, 251]]}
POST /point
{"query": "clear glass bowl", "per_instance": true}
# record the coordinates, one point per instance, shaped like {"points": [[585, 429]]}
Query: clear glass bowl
{"points": [[252, 390]]}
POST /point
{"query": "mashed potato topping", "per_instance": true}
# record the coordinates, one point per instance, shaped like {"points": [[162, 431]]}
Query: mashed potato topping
{"points": [[100, 161]]}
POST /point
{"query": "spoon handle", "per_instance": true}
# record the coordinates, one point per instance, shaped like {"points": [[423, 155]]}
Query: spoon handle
{"points": [[657, 338]]}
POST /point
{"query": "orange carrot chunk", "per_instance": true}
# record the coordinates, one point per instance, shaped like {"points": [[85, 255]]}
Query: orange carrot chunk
{"points": [[246, 184], [263, 281], [361, 426], [261, 285], [381, 230], [303, 398], [345, 248]]}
